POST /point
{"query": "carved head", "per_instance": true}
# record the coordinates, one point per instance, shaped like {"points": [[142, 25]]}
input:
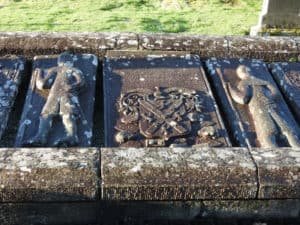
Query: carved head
{"points": [[243, 72], [65, 59]]}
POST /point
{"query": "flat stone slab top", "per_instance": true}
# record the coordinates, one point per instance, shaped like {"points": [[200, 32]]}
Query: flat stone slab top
{"points": [[159, 99], [46, 174], [59, 105], [177, 174], [255, 110], [287, 75], [11, 74]]}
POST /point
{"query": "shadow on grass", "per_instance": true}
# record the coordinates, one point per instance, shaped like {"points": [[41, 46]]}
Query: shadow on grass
{"points": [[111, 6], [172, 25]]}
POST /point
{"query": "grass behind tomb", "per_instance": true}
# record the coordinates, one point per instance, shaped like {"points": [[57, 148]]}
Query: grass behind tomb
{"points": [[175, 16]]}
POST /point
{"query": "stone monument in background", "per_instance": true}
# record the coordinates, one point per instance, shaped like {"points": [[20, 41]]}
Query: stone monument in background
{"points": [[278, 17]]}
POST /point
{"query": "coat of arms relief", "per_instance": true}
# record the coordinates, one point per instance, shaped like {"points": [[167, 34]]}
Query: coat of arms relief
{"points": [[164, 117]]}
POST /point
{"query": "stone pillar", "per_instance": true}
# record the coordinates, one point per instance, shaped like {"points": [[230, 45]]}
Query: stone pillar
{"points": [[278, 14]]}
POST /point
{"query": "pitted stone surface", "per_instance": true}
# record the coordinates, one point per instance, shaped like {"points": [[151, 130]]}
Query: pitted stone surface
{"points": [[11, 74], [279, 172], [266, 48], [44, 174], [57, 95], [205, 44], [177, 174], [287, 76], [254, 107]]}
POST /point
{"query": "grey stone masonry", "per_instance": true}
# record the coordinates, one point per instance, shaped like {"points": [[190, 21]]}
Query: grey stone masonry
{"points": [[177, 174], [31, 44], [11, 74], [278, 172], [278, 14], [47, 175]]}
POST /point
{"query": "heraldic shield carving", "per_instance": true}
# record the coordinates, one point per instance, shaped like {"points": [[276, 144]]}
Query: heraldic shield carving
{"points": [[160, 99], [160, 116]]}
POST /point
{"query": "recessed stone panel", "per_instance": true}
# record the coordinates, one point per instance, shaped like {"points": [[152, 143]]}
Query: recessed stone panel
{"points": [[287, 76], [60, 102], [159, 99], [177, 174], [11, 74], [255, 110]]}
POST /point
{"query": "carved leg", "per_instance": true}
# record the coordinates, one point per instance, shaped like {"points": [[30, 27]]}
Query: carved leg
{"points": [[40, 138], [69, 123], [288, 128]]}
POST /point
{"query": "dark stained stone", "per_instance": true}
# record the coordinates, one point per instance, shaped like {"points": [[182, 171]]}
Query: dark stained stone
{"points": [[11, 74], [287, 76], [151, 212], [60, 102], [41, 174], [159, 99], [266, 48], [256, 112], [279, 172], [177, 174]]}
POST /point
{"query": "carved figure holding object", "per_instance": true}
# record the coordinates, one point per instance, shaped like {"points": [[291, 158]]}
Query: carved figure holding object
{"points": [[262, 98]]}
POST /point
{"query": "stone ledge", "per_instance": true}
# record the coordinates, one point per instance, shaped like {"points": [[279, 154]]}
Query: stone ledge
{"points": [[37, 43], [45, 175], [177, 174], [278, 172]]}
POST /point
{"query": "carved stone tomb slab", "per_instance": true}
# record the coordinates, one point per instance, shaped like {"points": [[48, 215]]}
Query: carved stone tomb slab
{"points": [[60, 102], [256, 112], [159, 99], [11, 74], [287, 76]]}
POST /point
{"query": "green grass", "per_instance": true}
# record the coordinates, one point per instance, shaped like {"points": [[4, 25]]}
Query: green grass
{"points": [[186, 16]]}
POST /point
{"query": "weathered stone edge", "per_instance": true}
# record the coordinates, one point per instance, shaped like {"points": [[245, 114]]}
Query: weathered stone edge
{"points": [[277, 177], [33, 43]]}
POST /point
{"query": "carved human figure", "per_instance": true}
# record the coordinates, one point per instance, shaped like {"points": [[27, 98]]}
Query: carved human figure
{"points": [[65, 83], [262, 98]]}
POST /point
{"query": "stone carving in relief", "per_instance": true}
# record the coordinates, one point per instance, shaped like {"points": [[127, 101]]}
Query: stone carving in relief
{"points": [[262, 98], [64, 82], [161, 115]]}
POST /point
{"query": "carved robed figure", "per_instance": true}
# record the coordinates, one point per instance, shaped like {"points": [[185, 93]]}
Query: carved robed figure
{"points": [[262, 99], [65, 83]]}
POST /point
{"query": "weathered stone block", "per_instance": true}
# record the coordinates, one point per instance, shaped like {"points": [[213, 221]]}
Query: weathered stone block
{"points": [[287, 76], [177, 174], [60, 102], [159, 99], [11, 74], [206, 45], [266, 48], [255, 109], [278, 14], [278, 172], [45, 174]]}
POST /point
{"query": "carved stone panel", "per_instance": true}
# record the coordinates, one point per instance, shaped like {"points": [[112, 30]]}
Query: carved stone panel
{"points": [[255, 109], [287, 76], [159, 99], [60, 102], [11, 73]]}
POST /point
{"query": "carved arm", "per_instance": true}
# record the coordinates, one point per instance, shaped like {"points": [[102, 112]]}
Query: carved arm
{"points": [[45, 82], [240, 94]]}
